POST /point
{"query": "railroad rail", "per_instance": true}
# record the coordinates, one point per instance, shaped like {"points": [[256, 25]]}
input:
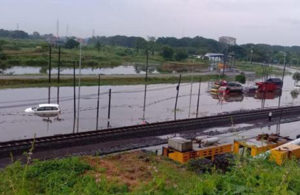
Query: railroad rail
{"points": [[17, 147]]}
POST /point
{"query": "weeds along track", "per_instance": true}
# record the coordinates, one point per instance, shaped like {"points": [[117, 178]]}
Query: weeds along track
{"points": [[97, 136]]}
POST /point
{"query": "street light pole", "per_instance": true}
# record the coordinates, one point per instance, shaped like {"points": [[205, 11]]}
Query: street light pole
{"points": [[279, 100], [78, 110], [146, 80], [284, 63], [251, 57]]}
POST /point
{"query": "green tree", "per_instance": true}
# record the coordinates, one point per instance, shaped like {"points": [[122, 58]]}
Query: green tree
{"points": [[181, 55], [167, 52], [71, 43], [151, 44], [98, 46], [241, 78], [294, 93], [296, 77], [36, 35], [2, 57], [140, 44]]}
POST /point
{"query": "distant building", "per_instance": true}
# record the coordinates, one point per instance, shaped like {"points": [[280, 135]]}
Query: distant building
{"points": [[214, 56], [214, 59], [227, 40]]}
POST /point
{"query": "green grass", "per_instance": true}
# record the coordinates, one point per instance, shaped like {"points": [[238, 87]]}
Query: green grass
{"points": [[77, 176], [65, 176], [35, 53], [90, 81]]}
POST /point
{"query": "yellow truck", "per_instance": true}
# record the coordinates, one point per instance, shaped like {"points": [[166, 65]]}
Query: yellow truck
{"points": [[286, 151], [182, 150], [259, 144]]}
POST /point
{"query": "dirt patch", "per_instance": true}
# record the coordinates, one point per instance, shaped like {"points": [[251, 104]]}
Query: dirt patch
{"points": [[133, 169]]}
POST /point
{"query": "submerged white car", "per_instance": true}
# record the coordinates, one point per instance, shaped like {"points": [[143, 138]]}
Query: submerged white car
{"points": [[45, 110]]}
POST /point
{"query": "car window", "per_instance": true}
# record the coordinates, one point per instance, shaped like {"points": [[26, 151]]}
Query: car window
{"points": [[41, 109]]}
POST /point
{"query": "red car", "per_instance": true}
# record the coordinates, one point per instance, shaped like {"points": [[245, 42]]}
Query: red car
{"points": [[270, 84]]}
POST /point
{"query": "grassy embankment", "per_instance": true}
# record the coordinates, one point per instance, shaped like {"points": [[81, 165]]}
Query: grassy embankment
{"points": [[258, 68], [24, 52], [35, 53], [140, 173], [92, 81]]}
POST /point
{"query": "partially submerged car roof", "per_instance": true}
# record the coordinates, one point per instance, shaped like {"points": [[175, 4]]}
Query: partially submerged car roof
{"points": [[274, 79], [233, 83], [49, 105]]}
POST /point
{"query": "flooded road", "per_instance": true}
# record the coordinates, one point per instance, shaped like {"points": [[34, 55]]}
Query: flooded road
{"points": [[126, 109]]}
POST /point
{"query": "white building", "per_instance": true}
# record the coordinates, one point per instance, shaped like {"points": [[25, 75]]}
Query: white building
{"points": [[214, 59]]}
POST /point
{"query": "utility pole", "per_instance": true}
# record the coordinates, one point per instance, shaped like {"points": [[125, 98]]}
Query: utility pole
{"points": [[177, 89], [74, 93], [284, 63], [58, 75], [97, 118], [49, 75], [198, 99], [108, 112], [224, 62], [67, 30], [283, 74], [57, 29], [251, 57], [78, 110], [146, 80], [279, 100], [191, 93]]}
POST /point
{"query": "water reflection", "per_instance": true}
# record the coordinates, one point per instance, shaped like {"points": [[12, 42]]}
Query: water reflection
{"points": [[239, 96], [230, 97], [118, 70], [269, 95]]}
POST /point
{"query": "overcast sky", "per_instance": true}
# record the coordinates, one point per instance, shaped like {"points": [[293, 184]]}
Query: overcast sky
{"points": [[255, 21]]}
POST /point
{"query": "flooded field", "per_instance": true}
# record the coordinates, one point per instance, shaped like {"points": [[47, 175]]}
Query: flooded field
{"points": [[118, 70], [126, 107]]}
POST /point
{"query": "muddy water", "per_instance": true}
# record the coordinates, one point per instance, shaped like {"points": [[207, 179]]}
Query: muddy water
{"points": [[122, 69], [287, 129], [127, 106]]}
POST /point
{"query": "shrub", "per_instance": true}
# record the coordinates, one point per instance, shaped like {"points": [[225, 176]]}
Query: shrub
{"points": [[241, 78], [167, 52], [200, 166], [296, 77], [181, 55], [294, 93], [71, 43]]}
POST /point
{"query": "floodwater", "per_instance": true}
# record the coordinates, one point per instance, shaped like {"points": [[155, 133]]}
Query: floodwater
{"points": [[286, 129], [118, 70], [126, 107]]}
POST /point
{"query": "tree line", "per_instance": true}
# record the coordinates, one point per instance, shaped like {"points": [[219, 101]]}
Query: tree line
{"points": [[177, 48]]}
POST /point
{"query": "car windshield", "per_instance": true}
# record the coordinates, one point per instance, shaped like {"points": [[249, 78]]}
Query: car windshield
{"points": [[47, 108]]}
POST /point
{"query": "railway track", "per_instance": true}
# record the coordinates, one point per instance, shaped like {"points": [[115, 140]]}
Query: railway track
{"points": [[91, 137]]}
